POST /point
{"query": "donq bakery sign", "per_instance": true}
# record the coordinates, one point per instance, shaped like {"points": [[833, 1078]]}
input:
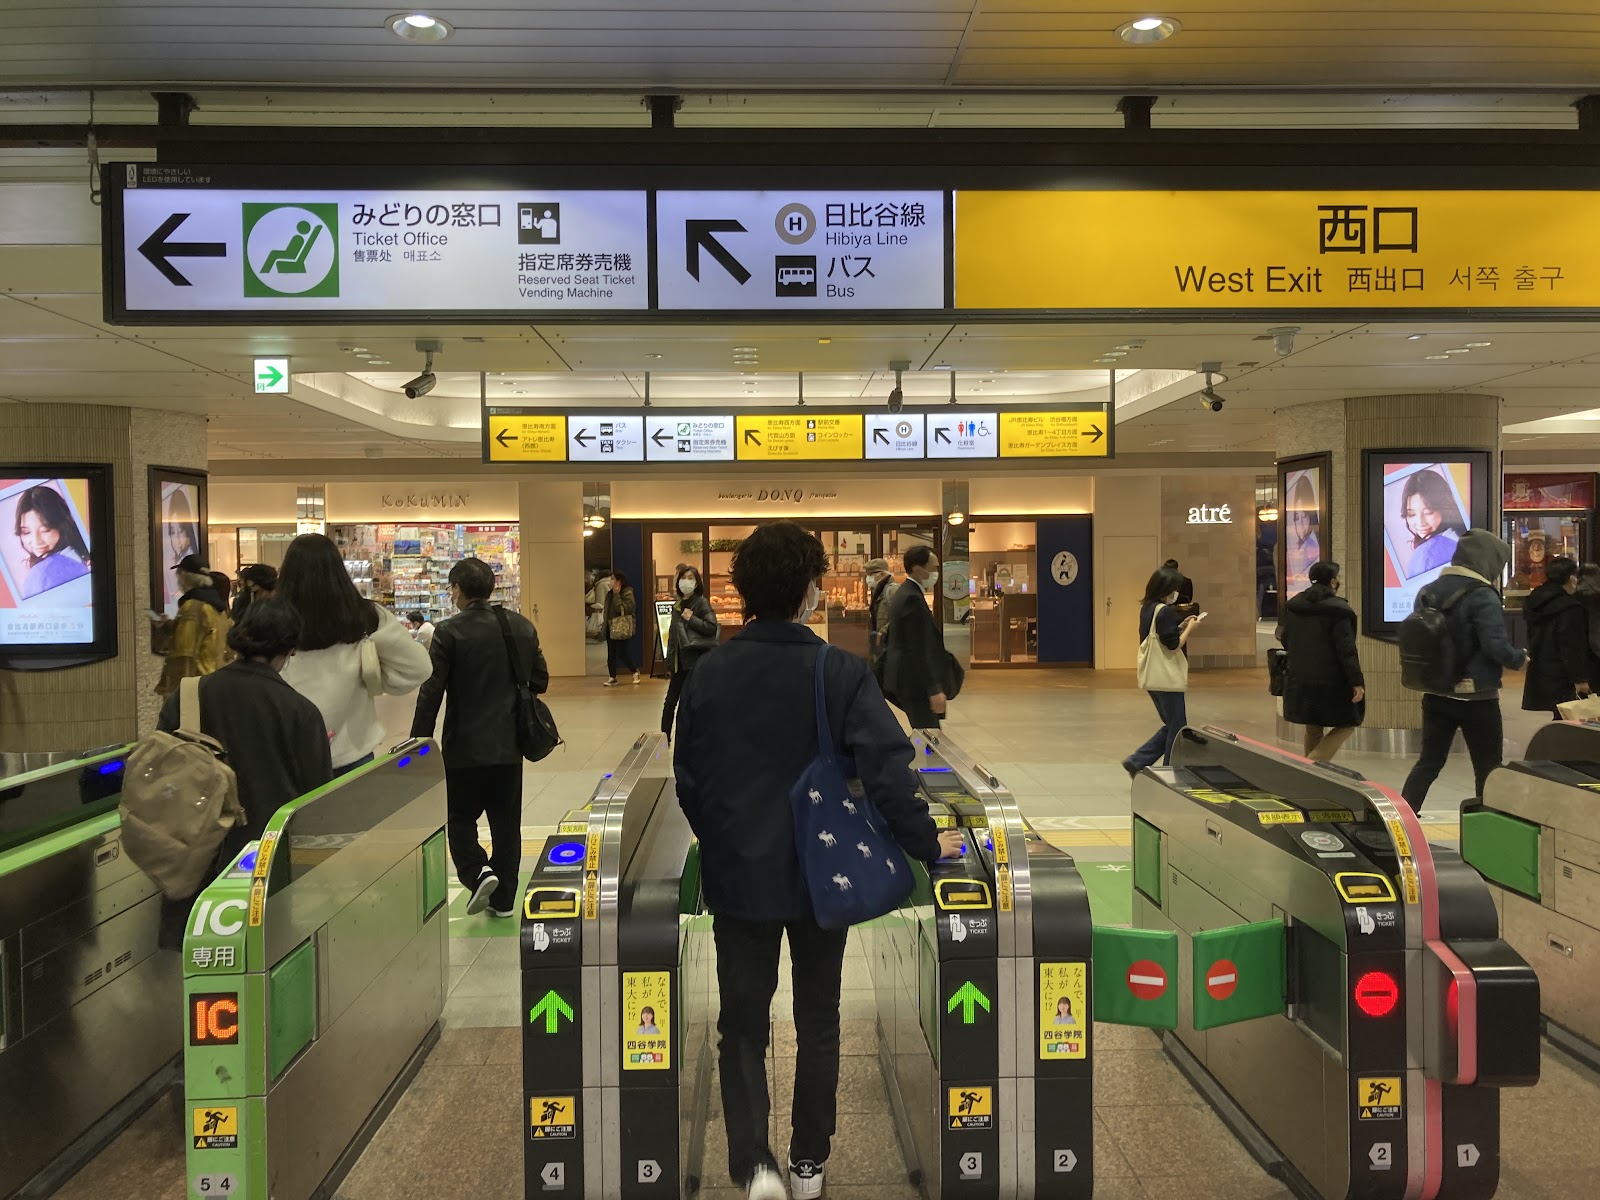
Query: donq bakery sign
{"points": [[1277, 250]]}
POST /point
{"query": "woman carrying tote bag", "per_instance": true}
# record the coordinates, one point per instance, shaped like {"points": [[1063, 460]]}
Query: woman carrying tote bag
{"points": [[1163, 666]]}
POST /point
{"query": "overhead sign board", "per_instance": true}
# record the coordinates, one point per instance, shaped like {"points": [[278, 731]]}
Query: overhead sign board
{"points": [[527, 437], [823, 437], [605, 439], [299, 253], [689, 439], [864, 249], [894, 435], [272, 376], [1338, 248], [1046, 433], [962, 434]]}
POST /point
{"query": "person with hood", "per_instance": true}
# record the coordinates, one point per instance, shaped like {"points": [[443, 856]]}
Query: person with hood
{"points": [[1478, 628], [1325, 690], [880, 582], [1558, 640], [194, 641]]}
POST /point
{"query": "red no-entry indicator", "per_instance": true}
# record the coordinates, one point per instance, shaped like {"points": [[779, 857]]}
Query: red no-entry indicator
{"points": [[1222, 979], [1377, 993], [1146, 980]]}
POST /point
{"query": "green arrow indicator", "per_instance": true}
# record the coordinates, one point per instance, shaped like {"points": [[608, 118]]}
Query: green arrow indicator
{"points": [[270, 377], [968, 997], [552, 1008]]}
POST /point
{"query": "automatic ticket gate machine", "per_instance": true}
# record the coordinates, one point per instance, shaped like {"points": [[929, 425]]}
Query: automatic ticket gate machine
{"points": [[616, 982], [86, 997], [1535, 840], [984, 997], [314, 978], [1378, 1010]]}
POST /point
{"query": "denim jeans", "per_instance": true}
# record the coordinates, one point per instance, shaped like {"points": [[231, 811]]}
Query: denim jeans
{"points": [[1173, 710]]}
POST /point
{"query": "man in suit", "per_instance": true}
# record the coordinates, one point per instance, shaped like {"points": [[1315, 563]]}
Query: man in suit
{"points": [[914, 668]]}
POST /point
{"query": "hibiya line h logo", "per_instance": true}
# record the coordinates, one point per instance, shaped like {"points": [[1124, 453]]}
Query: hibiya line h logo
{"points": [[291, 250]]}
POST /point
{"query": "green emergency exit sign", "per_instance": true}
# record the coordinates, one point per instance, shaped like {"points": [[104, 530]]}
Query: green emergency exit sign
{"points": [[272, 376]]}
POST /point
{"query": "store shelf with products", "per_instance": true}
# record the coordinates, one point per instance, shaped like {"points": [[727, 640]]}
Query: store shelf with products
{"points": [[407, 566]]}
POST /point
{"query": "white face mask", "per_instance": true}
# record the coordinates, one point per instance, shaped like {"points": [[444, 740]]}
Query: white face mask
{"points": [[813, 598], [931, 580], [685, 586]]}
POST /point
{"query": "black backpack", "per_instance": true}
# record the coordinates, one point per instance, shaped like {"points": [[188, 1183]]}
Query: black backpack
{"points": [[1428, 652]]}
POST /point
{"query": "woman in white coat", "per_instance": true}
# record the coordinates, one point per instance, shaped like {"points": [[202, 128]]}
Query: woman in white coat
{"points": [[350, 650]]}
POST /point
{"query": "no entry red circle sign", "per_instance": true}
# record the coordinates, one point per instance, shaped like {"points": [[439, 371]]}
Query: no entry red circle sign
{"points": [[1222, 979], [1146, 980]]}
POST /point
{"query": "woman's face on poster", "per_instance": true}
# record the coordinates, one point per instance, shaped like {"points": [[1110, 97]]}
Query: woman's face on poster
{"points": [[1422, 521], [178, 539], [38, 538], [1302, 524]]}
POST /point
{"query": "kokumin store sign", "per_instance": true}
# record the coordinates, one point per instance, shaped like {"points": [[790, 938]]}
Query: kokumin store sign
{"points": [[1231, 250]]}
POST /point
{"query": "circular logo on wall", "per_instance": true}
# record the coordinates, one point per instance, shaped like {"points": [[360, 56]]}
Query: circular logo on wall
{"points": [[795, 223], [904, 429], [1064, 568]]}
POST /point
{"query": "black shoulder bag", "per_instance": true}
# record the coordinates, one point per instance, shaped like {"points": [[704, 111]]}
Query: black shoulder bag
{"points": [[536, 728]]}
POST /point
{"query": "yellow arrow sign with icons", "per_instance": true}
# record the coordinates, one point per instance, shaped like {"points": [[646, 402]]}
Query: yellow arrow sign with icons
{"points": [[1057, 434], [798, 438], [527, 437]]}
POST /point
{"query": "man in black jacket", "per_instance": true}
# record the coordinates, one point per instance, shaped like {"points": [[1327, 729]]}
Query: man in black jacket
{"points": [[914, 664], [1325, 691], [473, 665], [747, 730], [1558, 641]]}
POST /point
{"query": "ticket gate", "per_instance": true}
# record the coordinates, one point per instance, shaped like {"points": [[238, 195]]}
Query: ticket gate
{"points": [[618, 984], [1348, 1004], [314, 976], [87, 1037], [1534, 840]]}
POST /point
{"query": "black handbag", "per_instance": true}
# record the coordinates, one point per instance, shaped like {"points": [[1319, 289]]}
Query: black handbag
{"points": [[537, 735], [1277, 670]]}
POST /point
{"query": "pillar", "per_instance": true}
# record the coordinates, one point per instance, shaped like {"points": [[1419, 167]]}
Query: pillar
{"points": [[551, 516], [68, 711], [1344, 428]]}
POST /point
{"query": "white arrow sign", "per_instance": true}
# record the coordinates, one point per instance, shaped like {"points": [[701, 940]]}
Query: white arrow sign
{"points": [[1065, 1161], [554, 1176], [649, 1170], [1381, 1156], [1467, 1155]]}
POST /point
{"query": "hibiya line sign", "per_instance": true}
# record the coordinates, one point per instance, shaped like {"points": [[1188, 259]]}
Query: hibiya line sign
{"points": [[820, 435], [1277, 250]]}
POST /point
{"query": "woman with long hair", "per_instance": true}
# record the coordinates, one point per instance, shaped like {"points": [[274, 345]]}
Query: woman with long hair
{"points": [[50, 538], [692, 635], [328, 668], [621, 623], [1163, 666], [1304, 543], [1433, 521]]}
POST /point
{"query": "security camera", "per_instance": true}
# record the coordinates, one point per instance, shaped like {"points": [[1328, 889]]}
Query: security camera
{"points": [[1283, 338], [897, 400], [420, 386], [1210, 399]]}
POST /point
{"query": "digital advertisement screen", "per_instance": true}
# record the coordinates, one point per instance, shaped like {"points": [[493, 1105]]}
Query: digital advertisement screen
{"points": [[1419, 504], [1305, 525], [56, 572], [178, 516]]}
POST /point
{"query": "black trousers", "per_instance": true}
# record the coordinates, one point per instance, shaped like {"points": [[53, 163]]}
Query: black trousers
{"points": [[1481, 727], [619, 655], [469, 793], [670, 709], [747, 977]]}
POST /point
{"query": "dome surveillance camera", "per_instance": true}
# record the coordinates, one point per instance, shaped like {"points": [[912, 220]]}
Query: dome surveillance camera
{"points": [[420, 386]]}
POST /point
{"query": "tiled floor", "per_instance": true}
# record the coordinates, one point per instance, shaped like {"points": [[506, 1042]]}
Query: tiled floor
{"points": [[1055, 738]]}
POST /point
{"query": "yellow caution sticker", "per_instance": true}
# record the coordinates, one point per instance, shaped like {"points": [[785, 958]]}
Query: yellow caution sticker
{"points": [[1402, 844], [957, 894], [970, 1107], [944, 820], [572, 828], [591, 896], [1281, 818], [258, 902], [1378, 1098], [1002, 887], [216, 1127], [550, 903], [1330, 816], [552, 1117], [1408, 874], [264, 854], [646, 1021], [1209, 795], [591, 859], [1002, 853], [1063, 1011], [1364, 887]]}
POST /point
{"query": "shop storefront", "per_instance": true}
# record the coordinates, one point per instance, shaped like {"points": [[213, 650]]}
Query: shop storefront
{"points": [[1545, 516]]}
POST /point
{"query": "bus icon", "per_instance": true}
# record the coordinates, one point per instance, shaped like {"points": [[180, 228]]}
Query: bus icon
{"points": [[797, 275]]}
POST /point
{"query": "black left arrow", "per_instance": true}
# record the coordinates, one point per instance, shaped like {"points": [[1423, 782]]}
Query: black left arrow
{"points": [[1096, 433], [661, 437], [502, 439], [700, 235], [160, 252], [583, 437]]}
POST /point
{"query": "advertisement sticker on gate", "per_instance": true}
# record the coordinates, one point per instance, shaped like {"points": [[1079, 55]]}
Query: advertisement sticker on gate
{"points": [[1063, 1011], [646, 1021]]}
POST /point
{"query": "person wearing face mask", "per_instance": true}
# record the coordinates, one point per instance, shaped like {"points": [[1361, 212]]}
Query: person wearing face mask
{"points": [[1163, 665], [1558, 640], [693, 634], [915, 670], [879, 595], [747, 730], [1325, 690]]}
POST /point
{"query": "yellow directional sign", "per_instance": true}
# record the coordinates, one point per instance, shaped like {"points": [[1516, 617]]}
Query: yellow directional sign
{"points": [[798, 438], [528, 437], [1069, 433]]}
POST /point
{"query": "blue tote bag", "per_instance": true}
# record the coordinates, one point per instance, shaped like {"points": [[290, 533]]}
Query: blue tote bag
{"points": [[854, 871]]}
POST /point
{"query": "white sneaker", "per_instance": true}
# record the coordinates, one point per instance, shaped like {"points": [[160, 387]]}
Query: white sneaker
{"points": [[487, 883], [766, 1184], [805, 1178], [503, 912], [611, 683], [636, 677]]}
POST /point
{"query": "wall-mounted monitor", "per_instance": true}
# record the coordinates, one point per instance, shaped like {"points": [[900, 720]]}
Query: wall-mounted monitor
{"points": [[1418, 503], [1305, 520], [57, 565], [177, 528]]}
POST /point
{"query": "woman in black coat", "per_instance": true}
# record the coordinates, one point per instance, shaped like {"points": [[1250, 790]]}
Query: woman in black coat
{"points": [[1558, 640], [692, 634], [1325, 690]]}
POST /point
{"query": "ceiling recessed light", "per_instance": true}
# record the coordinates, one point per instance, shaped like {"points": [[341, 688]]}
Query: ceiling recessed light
{"points": [[379, 362], [652, 356], [1479, 345], [419, 27], [1437, 357], [1116, 354], [1415, 337], [1105, 360], [1146, 31], [356, 349], [1459, 350], [744, 349], [824, 341]]}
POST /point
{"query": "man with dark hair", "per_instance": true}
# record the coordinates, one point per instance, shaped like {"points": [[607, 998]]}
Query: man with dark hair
{"points": [[1558, 640], [421, 628], [747, 729], [1325, 690], [1185, 599], [914, 657], [479, 659]]}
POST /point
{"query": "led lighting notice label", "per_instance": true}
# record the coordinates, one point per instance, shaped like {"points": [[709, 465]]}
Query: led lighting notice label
{"points": [[293, 251]]}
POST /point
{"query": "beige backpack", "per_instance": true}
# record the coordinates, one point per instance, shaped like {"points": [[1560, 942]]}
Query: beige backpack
{"points": [[179, 800]]}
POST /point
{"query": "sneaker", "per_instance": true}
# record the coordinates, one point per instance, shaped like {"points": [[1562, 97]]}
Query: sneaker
{"points": [[765, 1184], [502, 912], [805, 1178], [636, 677], [488, 882], [611, 682]]}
